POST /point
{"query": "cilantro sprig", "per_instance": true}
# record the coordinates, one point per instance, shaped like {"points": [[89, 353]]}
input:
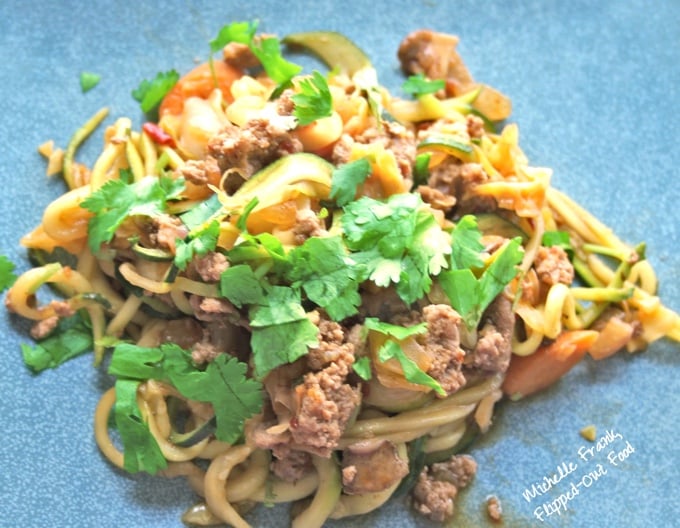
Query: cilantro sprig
{"points": [[118, 200], [391, 349], [418, 85], [314, 101], [223, 383], [266, 49], [7, 275], [150, 92], [469, 294], [398, 241]]}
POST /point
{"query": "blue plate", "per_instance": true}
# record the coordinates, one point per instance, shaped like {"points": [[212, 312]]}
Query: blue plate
{"points": [[595, 93]]}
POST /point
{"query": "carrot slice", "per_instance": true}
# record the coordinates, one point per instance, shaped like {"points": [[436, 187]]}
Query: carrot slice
{"points": [[530, 374], [200, 82]]}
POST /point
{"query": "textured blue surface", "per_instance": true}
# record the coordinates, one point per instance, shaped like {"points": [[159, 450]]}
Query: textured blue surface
{"points": [[595, 92]]}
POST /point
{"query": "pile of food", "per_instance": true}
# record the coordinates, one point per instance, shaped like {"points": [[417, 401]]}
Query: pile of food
{"points": [[311, 290]]}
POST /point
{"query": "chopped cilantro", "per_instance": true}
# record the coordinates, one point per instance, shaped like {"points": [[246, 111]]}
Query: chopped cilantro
{"points": [[241, 286], [89, 80], [391, 349], [267, 50], [7, 275], [223, 383], [466, 242], [469, 295], [396, 331], [398, 241], [241, 32], [116, 200], [279, 344], [198, 242], [71, 338], [204, 212], [281, 330], [140, 449], [314, 100], [282, 305], [346, 178], [418, 85], [362, 367], [560, 239], [150, 93], [328, 275]]}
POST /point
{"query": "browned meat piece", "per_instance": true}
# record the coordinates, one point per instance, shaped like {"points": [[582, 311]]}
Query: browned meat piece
{"points": [[494, 509], [307, 224], [342, 150], [165, 230], [239, 56], [210, 266], [204, 352], [455, 178], [331, 347], [396, 138], [437, 487], [325, 401], [249, 148], [434, 55], [494, 347], [553, 266], [475, 126], [200, 172], [211, 308], [436, 198], [442, 344], [371, 466], [41, 329]]}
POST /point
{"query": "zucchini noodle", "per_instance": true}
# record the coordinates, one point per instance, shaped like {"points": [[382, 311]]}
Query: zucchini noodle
{"points": [[162, 276]]}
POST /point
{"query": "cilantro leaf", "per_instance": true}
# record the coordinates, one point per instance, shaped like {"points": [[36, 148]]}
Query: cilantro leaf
{"points": [[241, 286], [203, 213], [224, 382], [469, 295], [140, 449], [71, 338], [225, 385], [198, 243], [241, 32], [7, 275], [263, 250], [466, 244], [280, 344], [362, 367], [89, 80], [314, 100], [116, 200], [560, 239], [398, 241], [418, 85], [150, 93], [391, 349], [397, 331], [413, 373], [282, 306], [328, 275], [346, 178], [267, 50]]}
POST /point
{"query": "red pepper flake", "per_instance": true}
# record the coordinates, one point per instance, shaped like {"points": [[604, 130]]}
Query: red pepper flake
{"points": [[158, 135]]}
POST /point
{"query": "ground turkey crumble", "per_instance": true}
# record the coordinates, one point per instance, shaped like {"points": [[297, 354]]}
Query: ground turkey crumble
{"points": [[438, 485]]}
